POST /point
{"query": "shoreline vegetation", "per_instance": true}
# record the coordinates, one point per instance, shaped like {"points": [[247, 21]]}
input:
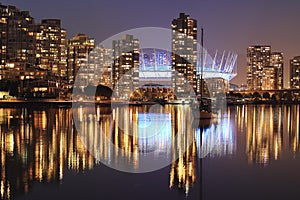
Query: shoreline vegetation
{"points": [[263, 97]]}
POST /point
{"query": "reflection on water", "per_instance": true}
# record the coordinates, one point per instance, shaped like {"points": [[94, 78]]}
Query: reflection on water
{"points": [[37, 145], [264, 140], [41, 144], [269, 128]]}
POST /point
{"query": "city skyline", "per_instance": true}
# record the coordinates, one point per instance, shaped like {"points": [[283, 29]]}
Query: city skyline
{"points": [[236, 25], [29, 47], [149, 99]]}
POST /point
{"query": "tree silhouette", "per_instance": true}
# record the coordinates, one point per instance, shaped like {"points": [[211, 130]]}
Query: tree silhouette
{"points": [[288, 96], [103, 91], [266, 95], [12, 88], [256, 95], [274, 97]]}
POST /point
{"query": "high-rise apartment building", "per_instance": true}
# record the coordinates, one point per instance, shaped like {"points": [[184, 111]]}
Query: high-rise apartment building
{"points": [[17, 38], [278, 64], [17, 53], [295, 72], [257, 58], [125, 70], [51, 47], [32, 56], [265, 68], [79, 48], [100, 59], [184, 53], [269, 75], [63, 55]]}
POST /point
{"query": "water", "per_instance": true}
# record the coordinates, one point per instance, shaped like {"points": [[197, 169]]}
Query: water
{"points": [[249, 152]]}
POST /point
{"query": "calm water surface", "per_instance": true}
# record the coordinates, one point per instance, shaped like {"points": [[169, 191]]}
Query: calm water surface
{"points": [[249, 152]]}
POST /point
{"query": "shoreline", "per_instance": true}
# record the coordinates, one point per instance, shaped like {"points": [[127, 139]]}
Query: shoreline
{"points": [[33, 102], [264, 103]]}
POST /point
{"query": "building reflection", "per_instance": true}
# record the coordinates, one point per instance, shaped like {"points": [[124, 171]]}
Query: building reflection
{"points": [[122, 137], [184, 151], [293, 126], [216, 140], [38, 145], [220, 138], [264, 133], [183, 171], [271, 130], [129, 132]]}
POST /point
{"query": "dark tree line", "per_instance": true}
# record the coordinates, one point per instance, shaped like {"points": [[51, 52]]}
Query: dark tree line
{"points": [[10, 86], [99, 91]]}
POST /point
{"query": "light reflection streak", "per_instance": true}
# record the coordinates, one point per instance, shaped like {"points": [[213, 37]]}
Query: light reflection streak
{"points": [[270, 130], [39, 145], [43, 144]]}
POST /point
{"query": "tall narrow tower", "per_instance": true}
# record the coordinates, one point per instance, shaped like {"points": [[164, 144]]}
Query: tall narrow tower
{"points": [[184, 53], [79, 48], [125, 70], [295, 72], [277, 63]]}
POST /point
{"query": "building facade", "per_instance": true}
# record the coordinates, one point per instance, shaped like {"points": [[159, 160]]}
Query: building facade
{"points": [[265, 68], [100, 59], [51, 47], [257, 58], [29, 50], [16, 36], [269, 78], [278, 63], [184, 53], [79, 48], [295, 72], [125, 70]]}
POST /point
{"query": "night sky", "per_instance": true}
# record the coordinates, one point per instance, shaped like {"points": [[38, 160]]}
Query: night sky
{"points": [[230, 25]]}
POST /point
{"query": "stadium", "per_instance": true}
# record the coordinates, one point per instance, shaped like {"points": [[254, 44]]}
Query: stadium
{"points": [[156, 66], [155, 71]]}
